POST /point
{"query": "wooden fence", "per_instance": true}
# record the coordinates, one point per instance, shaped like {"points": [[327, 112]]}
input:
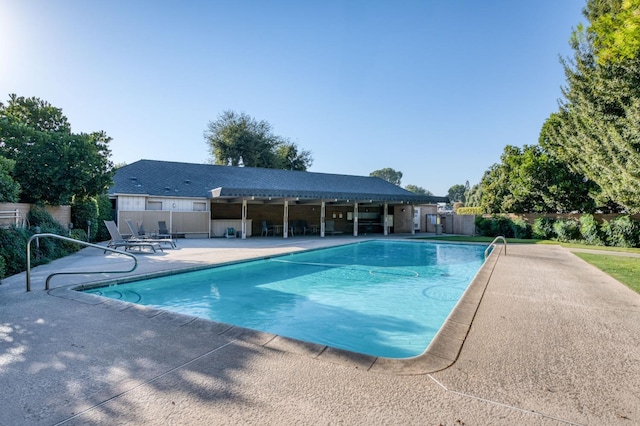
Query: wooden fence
{"points": [[16, 214]]}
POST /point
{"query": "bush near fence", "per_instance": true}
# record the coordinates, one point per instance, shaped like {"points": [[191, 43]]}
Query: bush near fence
{"points": [[13, 243], [609, 230]]}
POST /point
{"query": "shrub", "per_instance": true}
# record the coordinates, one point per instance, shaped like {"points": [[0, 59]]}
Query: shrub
{"points": [[567, 230], [543, 228], [47, 249], [621, 232], [2, 268], [589, 230], [105, 212], [501, 225], [84, 211], [494, 226], [13, 243], [520, 228], [13, 249], [483, 226], [79, 234]]}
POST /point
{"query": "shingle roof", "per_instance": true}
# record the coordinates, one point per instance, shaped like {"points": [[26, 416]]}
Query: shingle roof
{"points": [[166, 178]]}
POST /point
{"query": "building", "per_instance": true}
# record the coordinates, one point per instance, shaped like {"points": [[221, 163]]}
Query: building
{"points": [[204, 200]]}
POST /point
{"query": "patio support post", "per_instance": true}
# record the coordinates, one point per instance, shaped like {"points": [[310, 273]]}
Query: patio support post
{"points": [[413, 217], [355, 219], [385, 219], [244, 219], [322, 218], [285, 220]]}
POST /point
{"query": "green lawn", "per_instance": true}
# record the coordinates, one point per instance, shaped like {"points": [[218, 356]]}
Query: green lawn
{"points": [[624, 269]]}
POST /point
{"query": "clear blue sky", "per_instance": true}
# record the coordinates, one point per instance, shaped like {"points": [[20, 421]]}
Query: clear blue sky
{"points": [[434, 89]]}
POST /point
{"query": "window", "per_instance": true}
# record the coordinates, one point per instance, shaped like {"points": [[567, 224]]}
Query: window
{"points": [[154, 205], [199, 206]]}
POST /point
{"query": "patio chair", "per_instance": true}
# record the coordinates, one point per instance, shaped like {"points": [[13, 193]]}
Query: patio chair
{"points": [[329, 228], [293, 228], [266, 228], [139, 235], [118, 241], [302, 227], [230, 233]]}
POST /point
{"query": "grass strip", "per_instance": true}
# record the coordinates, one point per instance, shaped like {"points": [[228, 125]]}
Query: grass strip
{"points": [[624, 269]]}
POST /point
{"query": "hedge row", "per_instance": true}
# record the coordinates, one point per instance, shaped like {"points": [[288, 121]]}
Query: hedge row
{"points": [[619, 232], [469, 210]]}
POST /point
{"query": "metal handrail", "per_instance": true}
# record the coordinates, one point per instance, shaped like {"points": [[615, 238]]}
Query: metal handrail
{"points": [[493, 243], [60, 237]]}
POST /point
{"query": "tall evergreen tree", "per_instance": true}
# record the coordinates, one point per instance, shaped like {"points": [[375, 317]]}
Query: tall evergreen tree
{"points": [[597, 128]]}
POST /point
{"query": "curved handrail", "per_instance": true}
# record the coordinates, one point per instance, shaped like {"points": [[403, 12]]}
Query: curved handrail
{"points": [[60, 237], [493, 243]]}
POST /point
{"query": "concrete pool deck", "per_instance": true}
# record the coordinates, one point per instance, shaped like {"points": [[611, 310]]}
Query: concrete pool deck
{"points": [[553, 341]]}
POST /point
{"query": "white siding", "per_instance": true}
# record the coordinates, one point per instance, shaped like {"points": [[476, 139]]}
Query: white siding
{"points": [[134, 203], [128, 202]]}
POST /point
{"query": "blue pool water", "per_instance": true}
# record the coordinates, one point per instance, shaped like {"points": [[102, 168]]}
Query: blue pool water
{"points": [[380, 298]]}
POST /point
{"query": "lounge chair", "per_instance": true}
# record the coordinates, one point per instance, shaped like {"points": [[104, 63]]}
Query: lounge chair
{"points": [[163, 232], [230, 233], [118, 240], [139, 235]]}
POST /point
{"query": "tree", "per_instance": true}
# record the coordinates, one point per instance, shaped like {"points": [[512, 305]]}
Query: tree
{"points": [[473, 196], [596, 131], [616, 32], [9, 188], [52, 165], [456, 193], [530, 180], [388, 174], [418, 190], [238, 139], [290, 158]]}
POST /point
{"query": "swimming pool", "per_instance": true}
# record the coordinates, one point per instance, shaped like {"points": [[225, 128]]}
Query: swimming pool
{"points": [[380, 298]]}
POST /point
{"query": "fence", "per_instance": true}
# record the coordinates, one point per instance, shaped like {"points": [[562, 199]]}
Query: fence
{"points": [[179, 223], [15, 214]]}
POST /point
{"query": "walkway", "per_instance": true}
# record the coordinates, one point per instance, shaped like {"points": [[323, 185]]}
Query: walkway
{"points": [[554, 341]]}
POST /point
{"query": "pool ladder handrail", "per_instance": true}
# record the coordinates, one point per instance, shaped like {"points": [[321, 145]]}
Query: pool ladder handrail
{"points": [[493, 243], [84, 243]]}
